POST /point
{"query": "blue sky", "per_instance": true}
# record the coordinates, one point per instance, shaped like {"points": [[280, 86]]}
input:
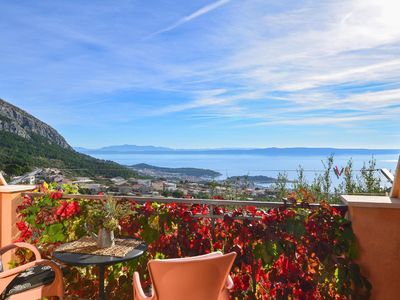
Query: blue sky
{"points": [[205, 73]]}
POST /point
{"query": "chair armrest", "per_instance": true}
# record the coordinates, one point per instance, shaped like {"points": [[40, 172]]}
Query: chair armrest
{"points": [[138, 293], [17, 270], [44, 262], [56, 268], [21, 245], [229, 283]]}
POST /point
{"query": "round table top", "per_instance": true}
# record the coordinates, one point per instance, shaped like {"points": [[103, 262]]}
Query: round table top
{"points": [[80, 259]]}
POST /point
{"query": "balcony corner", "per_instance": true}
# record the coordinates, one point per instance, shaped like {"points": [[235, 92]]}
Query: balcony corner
{"points": [[10, 198], [376, 223]]}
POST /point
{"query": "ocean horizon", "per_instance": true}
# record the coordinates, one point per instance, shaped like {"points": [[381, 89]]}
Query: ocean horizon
{"points": [[249, 164]]}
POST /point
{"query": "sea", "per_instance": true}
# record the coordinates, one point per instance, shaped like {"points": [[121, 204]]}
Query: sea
{"points": [[236, 165]]}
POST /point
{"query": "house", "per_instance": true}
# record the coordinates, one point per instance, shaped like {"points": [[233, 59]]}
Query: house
{"points": [[124, 189], [140, 188], [82, 180], [119, 180], [56, 178], [169, 186], [145, 182], [93, 188], [157, 185]]}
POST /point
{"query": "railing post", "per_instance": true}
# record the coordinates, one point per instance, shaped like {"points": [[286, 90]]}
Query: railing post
{"points": [[10, 198], [285, 201], [376, 222], [212, 223]]}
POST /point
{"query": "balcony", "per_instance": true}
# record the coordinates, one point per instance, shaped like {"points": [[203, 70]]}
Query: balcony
{"points": [[293, 248]]}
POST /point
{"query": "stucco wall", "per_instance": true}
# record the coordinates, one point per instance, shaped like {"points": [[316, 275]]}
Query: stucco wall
{"points": [[378, 234]]}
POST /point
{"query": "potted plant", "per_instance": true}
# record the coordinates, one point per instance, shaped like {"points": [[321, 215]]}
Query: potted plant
{"points": [[103, 217]]}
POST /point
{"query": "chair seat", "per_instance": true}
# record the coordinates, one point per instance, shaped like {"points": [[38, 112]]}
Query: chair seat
{"points": [[30, 279]]}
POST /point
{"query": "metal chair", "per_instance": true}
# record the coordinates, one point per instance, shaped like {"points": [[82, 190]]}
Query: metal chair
{"points": [[34, 280]]}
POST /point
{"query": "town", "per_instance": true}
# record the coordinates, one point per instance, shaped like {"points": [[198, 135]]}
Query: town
{"points": [[156, 185]]}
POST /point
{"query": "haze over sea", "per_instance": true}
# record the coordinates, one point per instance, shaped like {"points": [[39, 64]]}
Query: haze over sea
{"points": [[248, 164]]}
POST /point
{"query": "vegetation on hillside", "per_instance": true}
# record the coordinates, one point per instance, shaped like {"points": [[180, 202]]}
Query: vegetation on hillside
{"points": [[19, 155]]}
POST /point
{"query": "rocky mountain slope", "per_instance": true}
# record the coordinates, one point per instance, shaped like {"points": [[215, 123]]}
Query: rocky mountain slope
{"points": [[26, 143], [19, 122]]}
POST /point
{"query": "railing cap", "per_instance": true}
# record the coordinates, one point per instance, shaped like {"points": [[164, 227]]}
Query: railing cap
{"points": [[16, 188], [371, 201], [143, 199]]}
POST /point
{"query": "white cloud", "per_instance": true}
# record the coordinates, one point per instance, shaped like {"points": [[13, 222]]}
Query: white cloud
{"points": [[378, 71], [317, 120], [331, 56], [257, 61], [198, 13]]}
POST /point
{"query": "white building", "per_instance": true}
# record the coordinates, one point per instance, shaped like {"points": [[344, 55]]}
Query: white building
{"points": [[169, 186]]}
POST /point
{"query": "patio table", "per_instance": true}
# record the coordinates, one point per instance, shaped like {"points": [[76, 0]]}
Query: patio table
{"points": [[101, 261]]}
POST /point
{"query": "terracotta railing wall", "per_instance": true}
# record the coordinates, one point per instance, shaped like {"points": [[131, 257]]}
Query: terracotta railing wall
{"points": [[376, 224], [10, 198]]}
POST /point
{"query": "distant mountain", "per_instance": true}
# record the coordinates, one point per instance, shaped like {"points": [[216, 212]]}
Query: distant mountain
{"points": [[298, 151], [162, 171], [26, 142], [81, 149], [123, 149]]}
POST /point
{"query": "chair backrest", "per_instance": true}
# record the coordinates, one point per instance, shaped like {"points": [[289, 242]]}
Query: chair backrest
{"points": [[395, 191], [196, 278], [2, 180]]}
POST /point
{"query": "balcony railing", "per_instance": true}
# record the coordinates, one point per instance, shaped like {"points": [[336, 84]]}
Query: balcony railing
{"points": [[212, 203], [265, 235]]}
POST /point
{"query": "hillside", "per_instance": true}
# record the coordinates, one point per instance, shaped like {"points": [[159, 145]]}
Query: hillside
{"points": [[26, 142], [19, 122]]}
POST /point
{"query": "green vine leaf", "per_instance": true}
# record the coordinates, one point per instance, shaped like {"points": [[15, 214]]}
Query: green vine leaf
{"points": [[54, 233]]}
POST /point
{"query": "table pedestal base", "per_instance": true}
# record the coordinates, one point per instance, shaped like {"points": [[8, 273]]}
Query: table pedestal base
{"points": [[102, 294]]}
